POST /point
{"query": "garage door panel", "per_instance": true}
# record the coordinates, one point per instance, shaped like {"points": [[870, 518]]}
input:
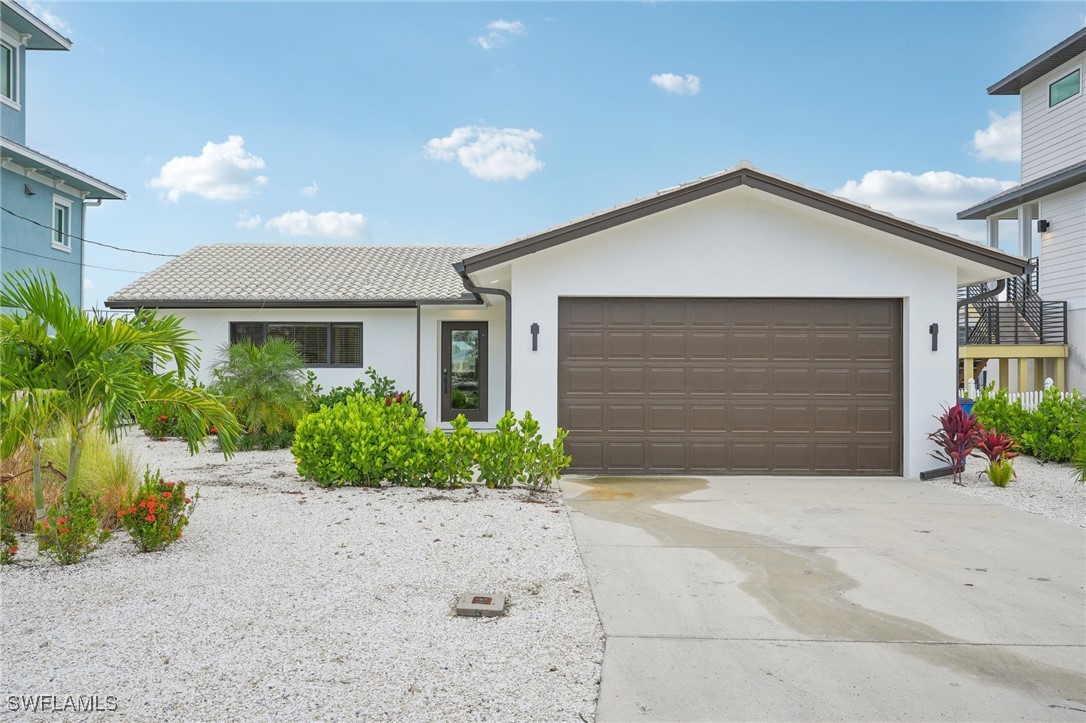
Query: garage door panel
{"points": [[726, 386]]}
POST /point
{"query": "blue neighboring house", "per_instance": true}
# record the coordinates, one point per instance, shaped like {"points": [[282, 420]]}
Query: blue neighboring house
{"points": [[44, 200]]}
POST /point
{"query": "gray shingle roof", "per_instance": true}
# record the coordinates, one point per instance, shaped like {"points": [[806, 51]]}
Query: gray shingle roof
{"points": [[275, 275]]}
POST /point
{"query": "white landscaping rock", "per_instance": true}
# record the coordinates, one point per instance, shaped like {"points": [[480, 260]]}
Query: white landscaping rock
{"points": [[319, 605], [1047, 489]]}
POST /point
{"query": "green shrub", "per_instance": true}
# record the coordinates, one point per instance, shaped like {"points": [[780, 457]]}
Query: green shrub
{"points": [[452, 456], [1051, 434], [158, 512], [1079, 458], [515, 453], [377, 386], [994, 410], [9, 544], [71, 529], [158, 420], [362, 440]]}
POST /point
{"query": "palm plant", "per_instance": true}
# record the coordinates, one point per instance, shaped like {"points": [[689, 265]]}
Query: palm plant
{"points": [[62, 366], [265, 388]]}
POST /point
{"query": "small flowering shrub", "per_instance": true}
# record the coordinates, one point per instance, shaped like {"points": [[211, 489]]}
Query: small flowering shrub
{"points": [[158, 420], [71, 529], [9, 544], [157, 513]]}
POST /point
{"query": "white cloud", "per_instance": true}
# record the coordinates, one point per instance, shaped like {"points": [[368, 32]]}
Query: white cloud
{"points": [[246, 221], [87, 284], [677, 84], [222, 172], [50, 18], [932, 198], [329, 224], [311, 189], [492, 154], [499, 32], [1001, 140]]}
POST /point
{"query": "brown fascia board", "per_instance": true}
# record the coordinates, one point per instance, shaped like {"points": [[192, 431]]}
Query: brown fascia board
{"points": [[280, 303], [1026, 192], [761, 182], [1044, 63]]}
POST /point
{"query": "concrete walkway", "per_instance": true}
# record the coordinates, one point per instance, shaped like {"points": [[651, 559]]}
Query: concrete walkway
{"points": [[734, 598]]}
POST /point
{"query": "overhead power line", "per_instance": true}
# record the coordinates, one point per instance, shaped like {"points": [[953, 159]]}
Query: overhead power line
{"points": [[88, 241], [74, 263]]}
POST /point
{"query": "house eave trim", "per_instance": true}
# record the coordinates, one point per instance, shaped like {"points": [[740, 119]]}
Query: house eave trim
{"points": [[1044, 63], [282, 303], [762, 182], [1068, 177], [99, 189]]}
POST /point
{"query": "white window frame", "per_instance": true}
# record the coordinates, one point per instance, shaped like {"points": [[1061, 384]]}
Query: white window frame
{"points": [[66, 204], [13, 45], [1070, 71]]}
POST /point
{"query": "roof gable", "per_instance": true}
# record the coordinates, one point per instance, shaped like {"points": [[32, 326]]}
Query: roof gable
{"points": [[744, 175]]}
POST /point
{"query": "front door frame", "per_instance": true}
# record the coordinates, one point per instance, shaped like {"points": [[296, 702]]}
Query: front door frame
{"points": [[444, 383]]}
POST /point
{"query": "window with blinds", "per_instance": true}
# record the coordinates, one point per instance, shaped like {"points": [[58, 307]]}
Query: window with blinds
{"points": [[320, 344]]}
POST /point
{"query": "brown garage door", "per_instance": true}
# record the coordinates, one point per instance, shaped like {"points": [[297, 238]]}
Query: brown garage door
{"points": [[731, 386]]}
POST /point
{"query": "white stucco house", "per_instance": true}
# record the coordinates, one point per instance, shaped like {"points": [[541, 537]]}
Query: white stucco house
{"points": [[739, 323]]}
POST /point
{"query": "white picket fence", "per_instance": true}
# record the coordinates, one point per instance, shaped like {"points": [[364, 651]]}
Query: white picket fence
{"points": [[1028, 400]]}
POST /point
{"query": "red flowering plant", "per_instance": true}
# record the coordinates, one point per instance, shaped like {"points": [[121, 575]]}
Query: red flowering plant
{"points": [[9, 544], [71, 530], [999, 449], [157, 513], [956, 437]]}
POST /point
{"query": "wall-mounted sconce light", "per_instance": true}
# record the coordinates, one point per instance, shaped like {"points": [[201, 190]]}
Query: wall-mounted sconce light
{"points": [[28, 190], [1042, 225], [933, 329], [535, 337]]}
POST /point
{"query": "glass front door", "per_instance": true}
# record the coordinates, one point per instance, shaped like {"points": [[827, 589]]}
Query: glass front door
{"points": [[463, 370]]}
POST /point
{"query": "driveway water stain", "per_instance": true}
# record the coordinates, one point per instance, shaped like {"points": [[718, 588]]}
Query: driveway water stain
{"points": [[803, 588]]}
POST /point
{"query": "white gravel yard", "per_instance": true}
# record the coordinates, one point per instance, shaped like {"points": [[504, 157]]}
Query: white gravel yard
{"points": [[1050, 490], [286, 601]]}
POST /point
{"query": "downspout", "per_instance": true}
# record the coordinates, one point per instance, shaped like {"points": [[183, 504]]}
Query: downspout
{"points": [[83, 244], [418, 351], [477, 290], [1000, 285]]}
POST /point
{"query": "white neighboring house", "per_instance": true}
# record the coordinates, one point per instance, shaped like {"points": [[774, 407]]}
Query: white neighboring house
{"points": [[1049, 208], [737, 324]]}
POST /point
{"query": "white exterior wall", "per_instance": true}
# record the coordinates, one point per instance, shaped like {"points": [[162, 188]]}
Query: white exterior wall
{"points": [[744, 243], [388, 339], [388, 345], [1052, 138]]}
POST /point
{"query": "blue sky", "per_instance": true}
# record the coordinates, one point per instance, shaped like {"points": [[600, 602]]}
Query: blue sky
{"points": [[458, 123]]}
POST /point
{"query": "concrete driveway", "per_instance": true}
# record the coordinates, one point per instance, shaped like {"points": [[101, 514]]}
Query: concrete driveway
{"points": [[733, 598]]}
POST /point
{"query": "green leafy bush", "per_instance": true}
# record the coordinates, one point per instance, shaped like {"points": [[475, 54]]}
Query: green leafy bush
{"points": [[71, 529], [994, 410], [1051, 433], [377, 386], [362, 440], [9, 544], [158, 512], [515, 453], [452, 456], [1079, 458], [158, 420]]}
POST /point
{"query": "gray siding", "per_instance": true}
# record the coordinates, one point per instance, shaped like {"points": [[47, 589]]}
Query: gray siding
{"points": [[1052, 138], [1063, 247]]}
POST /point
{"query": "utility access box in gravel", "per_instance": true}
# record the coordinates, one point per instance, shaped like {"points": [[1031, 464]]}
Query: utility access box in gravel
{"points": [[476, 605]]}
